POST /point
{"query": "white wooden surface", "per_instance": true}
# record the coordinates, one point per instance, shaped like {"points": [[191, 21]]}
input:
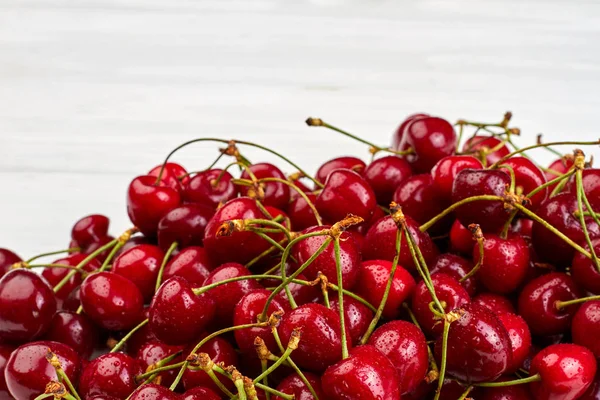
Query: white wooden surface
{"points": [[95, 92]]}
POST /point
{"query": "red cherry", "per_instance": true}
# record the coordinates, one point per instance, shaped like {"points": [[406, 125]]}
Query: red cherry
{"points": [[452, 389], [447, 289], [461, 238], [483, 144], [177, 315], [520, 339], [479, 348], [185, 225], [537, 303], [584, 272], [171, 175], [345, 192], [200, 393], [321, 344], [277, 194], [558, 167], [220, 351], [496, 303], [457, 267], [27, 305], [593, 391], [591, 186], [585, 327], [140, 264], [431, 139], [152, 391], [111, 301], [203, 188], [153, 352], [347, 378], [505, 263], [522, 226], [444, 173], [302, 294], [141, 336], [111, 374], [405, 346], [54, 275], [352, 163], [300, 185], [384, 175], [514, 392], [90, 229], [295, 386], [399, 132], [74, 330], [490, 215], [528, 176], [191, 263], [373, 277], [566, 371], [5, 352], [357, 316], [97, 245], [7, 259], [301, 215], [102, 397]]}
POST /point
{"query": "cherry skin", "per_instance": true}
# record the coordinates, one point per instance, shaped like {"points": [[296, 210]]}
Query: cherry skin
{"points": [[345, 192], [140, 264], [220, 351], [384, 175], [90, 229], [489, 214], [102, 397], [277, 194], [566, 371], [586, 326], [74, 330], [461, 238], [399, 132], [515, 392], [457, 267], [171, 175], [522, 226], [54, 275], [591, 186], [537, 303], [191, 263], [184, 225], [203, 188], [301, 215], [147, 203], [153, 352], [496, 303], [5, 352], [593, 391], [346, 378], [528, 176], [505, 262], [444, 173], [302, 294], [111, 301], [520, 339], [373, 277], [295, 386], [320, 345], [357, 316], [141, 337], [153, 391], [447, 289], [479, 348], [326, 261], [7, 259], [177, 315], [111, 374], [200, 393], [27, 305], [584, 271], [558, 212], [480, 147], [405, 346], [352, 163]]}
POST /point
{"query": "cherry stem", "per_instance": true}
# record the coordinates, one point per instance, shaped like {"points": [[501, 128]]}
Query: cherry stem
{"points": [[235, 225], [164, 264], [454, 206], [292, 345], [44, 396], [535, 146], [270, 390], [300, 193], [466, 393], [529, 379], [474, 270], [265, 253], [158, 370], [511, 172], [265, 380], [433, 365], [443, 360], [562, 304], [63, 266], [586, 233], [338, 269], [60, 373], [551, 182], [52, 253], [128, 335], [239, 385]]}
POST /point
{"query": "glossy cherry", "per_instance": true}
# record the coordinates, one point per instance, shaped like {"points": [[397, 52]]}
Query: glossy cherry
{"points": [[203, 188], [74, 330], [496, 303], [301, 215], [27, 305], [54, 275], [593, 391], [185, 225], [486, 147], [384, 175], [7, 260], [277, 194], [444, 173], [152, 391], [479, 348], [141, 336], [191, 263], [111, 374], [357, 316], [537, 303], [174, 175], [373, 277], [399, 132], [220, 351], [406, 347], [153, 352], [584, 271], [520, 339], [457, 267], [177, 315], [90, 229], [140, 264], [585, 327], [566, 371], [352, 163], [461, 238], [528, 176], [112, 301], [591, 186], [200, 393], [5, 352], [514, 392], [296, 386], [347, 378]]}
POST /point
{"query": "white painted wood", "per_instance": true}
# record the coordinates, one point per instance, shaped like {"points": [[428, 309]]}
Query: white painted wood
{"points": [[95, 92]]}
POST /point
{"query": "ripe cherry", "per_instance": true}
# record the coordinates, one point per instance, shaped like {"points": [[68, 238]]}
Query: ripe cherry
{"points": [[352, 163], [558, 167], [457, 267], [184, 225], [54, 275], [220, 351], [593, 391], [496, 303], [486, 147], [191, 263], [7, 260], [514, 392], [206, 188], [584, 271], [585, 327], [111, 374], [384, 175], [140, 264], [153, 352], [141, 336], [177, 315], [27, 305], [591, 186], [89, 229], [295, 386], [520, 339], [445, 171], [174, 175], [153, 391], [399, 132], [461, 238], [357, 316], [405, 346], [301, 215], [528, 176], [277, 194], [111, 301], [200, 393], [74, 330], [5, 352]]}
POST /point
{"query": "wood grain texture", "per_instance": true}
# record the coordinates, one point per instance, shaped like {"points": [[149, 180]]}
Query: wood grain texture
{"points": [[95, 92]]}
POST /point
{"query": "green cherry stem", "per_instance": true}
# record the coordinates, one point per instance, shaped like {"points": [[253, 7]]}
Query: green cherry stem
{"points": [[529, 379], [63, 266], [478, 236], [292, 345], [338, 268], [128, 335], [454, 206], [466, 393], [158, 370], [60, 372], [535, 146], [164, 264], [277, 393], [562, 304], [551, 182], [443, 359], [300, 193], [52, 253], [44, 396]]}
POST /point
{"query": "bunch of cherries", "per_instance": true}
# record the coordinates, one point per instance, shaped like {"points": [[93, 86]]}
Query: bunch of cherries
{"points": [[436, 271]]}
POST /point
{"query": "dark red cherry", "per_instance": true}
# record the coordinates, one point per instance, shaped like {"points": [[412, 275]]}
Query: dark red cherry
{"points": [[302, 294], [247, 245], [7, 259], [444, 173], [200, 393], [452, 389], [345, 192], [558, 167], [320, 345], [357, 316], [140, 264], [496, 303], [325, 262], [246, 311], [514, 392], [593, 391], [141, 336], [227, 296], [537, 303], [174, 175], [558, 211], [431, 139], [74, 330], [153, 352], [352, 163], [405, 346], [111, 374], [28, 371], [102, 397], [277, 194], [295, 386], [177, 315], [585, 327], [447, 289], [591, 186], [300, 185], [505, 262], [461, 239], [522, 226], [90, 229], [457, 267], [27, 305], [203, 188], [185, 225], [566, 371], [584, 272], [54, 275], [301, 215], [520, 339], [528, 176], [491, 215], [220, 351], [380, 243], [97, 245], [5, 352], [478, 346], [373, 277], [399, 132], [486, 147], [384, 175], [347, 379], [73, 302], [152, 391], [111, 301], [147, 203], [191, 263]]}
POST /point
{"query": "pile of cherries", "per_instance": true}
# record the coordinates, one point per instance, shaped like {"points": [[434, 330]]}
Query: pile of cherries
{"points": [[435, 271]]}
